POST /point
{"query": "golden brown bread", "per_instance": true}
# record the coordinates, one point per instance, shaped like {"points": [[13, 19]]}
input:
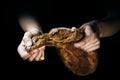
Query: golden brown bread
{"points": [[78, 61]]}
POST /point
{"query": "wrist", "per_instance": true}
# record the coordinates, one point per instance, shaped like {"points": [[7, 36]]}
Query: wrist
{"points": [[95, 27], [34, 31]]}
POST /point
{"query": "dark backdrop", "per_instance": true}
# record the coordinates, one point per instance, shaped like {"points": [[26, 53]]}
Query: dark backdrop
{"points": [[53, 14]]}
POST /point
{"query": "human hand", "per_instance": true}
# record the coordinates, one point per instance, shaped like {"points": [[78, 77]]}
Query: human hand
{"points": [[91, 41], [24, 46]]}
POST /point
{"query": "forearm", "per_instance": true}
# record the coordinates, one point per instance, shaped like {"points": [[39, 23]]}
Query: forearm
{"points": [[110, 25], [29, 24], [108, 29]]}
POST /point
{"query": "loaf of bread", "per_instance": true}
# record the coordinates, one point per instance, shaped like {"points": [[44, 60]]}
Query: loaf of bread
{"points": [[78, 61]]}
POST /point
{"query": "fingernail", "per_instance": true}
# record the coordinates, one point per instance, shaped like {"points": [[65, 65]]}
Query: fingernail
{"points": [[29, 43], [73, 28], [37, 59], [42, 58]]}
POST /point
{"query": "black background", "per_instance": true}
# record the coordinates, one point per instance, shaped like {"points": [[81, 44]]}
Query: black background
{"points": [[53, 14]]}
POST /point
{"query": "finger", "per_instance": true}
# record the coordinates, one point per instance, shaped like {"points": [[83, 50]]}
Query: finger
{"points": [[34, 51], [84, 44], [43, 53], [93, 48], [26, 57], [22, 51], [90, 43], [80, 44], [27, 37], [32, 57], [38, 56], [42, 49], [28, 45], [27, 34], [27, 40], [54, 30], [97, 45], [73, 29]]}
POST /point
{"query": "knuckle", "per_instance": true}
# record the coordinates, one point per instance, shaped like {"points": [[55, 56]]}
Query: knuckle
{"points": [[42, 58], [98, 46], [30, 59], [98, 41], [36, 59]]}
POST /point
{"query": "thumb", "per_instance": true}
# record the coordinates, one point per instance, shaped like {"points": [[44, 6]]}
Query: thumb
{"points": [[88, 31], [27, 40], [27, 37], [29, 43]]}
